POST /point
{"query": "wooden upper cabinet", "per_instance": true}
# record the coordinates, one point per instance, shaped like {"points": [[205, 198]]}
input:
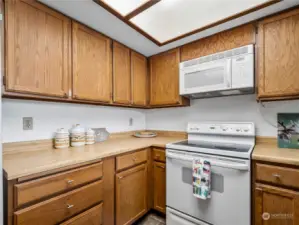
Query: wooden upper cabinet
{"points": [[121, 74], [278, 56], [92, 68], [280, 204], [159, 187], [164, 78], [37, 49], [234, 38], [139, 79], [131, 194]]}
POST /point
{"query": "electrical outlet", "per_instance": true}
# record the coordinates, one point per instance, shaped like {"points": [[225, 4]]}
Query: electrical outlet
{"points": [[27, 123], [131, 121]]}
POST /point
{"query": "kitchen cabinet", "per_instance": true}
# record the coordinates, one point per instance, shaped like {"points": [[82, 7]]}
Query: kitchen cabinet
{"points": [[278, 56], [131, 194], [275, 205], [139, 79], [276, 194], [159, 186], [121, 74], [164, 79], [37, 49], [92, 68], [226, 40]]}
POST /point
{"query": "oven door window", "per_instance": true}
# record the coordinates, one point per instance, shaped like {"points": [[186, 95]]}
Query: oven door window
{"points": [[211, 76]]}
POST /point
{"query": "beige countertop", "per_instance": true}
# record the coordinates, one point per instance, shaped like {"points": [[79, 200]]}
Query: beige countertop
{"points": [[27, 159], [35, 158], [266, 149]]}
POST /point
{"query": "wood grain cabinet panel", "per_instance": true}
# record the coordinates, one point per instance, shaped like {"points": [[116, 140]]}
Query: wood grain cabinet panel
{"points": [[159, 187], [37, 49], [92, 216], [62, 207], [121, 74], [277, 175], [92, 68], [139, 79], [276, 206], [278, 56], [234, 38], [164, 78], [159, 155], [131, 159], [131, 195], [47, 186]]}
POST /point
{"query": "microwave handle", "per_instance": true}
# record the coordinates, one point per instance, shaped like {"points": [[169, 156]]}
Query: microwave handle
{"points": [[230, 165], [229, 73]]}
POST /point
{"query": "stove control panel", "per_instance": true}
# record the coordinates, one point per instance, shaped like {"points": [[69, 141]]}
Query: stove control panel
{"points": [[242, 129]]}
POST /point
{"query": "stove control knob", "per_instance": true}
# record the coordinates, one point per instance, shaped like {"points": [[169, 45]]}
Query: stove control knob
{"points": [[246, 130], [224, 128], [238, 130]]}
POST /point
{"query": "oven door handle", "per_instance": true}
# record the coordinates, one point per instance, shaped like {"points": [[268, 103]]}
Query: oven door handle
{"points": [[218, 163]]}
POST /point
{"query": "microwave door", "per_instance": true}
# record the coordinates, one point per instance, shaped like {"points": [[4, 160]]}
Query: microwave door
{"points": [[206, 77]]}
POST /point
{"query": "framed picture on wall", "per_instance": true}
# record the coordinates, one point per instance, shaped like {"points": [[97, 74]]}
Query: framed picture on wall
{"points": [[288, 130]]}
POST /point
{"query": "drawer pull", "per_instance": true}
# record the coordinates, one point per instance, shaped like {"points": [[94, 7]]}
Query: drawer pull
{"points": [[70, 206], [276, 175], [258, 189], [163, 167], [70, 181], [134, 159]]}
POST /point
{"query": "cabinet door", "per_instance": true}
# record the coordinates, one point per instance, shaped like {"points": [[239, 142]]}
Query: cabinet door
{"points": [[37, 49], [159, 187], [278, 56], [131, 194], [276, 206], [164, 78], [139, 79], [92, 68], [92, 216], [121, 74]]}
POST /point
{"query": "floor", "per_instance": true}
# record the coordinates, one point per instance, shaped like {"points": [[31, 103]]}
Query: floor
{"points": [[152, 219]]}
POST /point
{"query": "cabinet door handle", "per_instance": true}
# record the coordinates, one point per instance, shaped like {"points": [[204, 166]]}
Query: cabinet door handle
{"points": [[163, 167], [258, 189], [70, 181], [276, 175], [69, 206]]}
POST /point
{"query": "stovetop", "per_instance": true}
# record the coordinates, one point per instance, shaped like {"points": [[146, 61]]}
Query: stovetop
{"points": [[215, 145]]}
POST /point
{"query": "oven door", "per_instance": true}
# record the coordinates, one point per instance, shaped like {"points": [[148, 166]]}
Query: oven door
{"points": [[206, 77], [230, 197]]}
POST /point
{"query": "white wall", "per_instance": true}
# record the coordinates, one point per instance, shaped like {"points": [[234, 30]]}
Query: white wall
{"points": [[48, 117], [232, 108]]}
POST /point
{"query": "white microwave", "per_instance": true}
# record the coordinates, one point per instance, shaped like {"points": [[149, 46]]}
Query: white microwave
{"points": [[224, 73]]}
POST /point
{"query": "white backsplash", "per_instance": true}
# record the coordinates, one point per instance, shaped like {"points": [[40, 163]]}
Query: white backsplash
{"points": [[231, 108], [49, 116]]}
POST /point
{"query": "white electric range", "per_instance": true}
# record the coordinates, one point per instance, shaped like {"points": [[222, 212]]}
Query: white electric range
{"points": [[228, 146]]}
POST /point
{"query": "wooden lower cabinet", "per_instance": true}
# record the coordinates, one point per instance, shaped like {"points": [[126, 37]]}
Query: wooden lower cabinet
{"points": [[131, 194], [276, 206], [92, 216], [159, 186], [57, 209]]}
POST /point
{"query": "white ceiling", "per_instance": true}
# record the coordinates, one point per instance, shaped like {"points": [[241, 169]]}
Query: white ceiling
{"points": [[172, 14], [124, 7], [91, 14]]}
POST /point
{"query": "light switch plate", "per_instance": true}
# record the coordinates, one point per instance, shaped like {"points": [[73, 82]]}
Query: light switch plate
{"points": [[27, 123]]}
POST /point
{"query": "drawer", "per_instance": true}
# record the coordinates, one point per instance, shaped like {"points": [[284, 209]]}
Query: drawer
{"points": [[62, 207], [57, 183], [131, 159], [92, 216], [159, 155], [277, 175]]}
